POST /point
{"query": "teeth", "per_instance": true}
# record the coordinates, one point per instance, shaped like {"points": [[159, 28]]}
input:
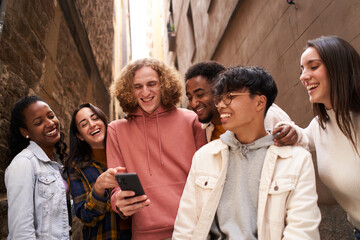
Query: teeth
{"points": [[199, 109], [147, 99], [225, 115], [51, 132], [312, 86], [95, 132]]}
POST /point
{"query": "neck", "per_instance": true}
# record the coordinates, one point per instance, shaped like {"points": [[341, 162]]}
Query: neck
{"points": [[100, 156], [49, 152], [99, 146], [248, 135]]}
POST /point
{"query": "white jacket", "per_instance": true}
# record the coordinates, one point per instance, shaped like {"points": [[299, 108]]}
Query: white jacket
{"points": [[287, 204]]}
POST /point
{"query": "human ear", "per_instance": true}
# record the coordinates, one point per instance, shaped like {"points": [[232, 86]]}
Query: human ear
{"points": [[79, 137], [24, 132], [261, 103]]}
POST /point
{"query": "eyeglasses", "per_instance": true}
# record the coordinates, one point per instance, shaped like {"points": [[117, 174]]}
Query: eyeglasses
{"points": [[227, 98]]}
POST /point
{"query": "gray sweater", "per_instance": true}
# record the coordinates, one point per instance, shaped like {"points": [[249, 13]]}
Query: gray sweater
{"points": [[236, 215]]}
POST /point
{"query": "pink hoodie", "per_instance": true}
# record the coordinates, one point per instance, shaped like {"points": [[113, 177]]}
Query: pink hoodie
{"points": [[159, 147]]}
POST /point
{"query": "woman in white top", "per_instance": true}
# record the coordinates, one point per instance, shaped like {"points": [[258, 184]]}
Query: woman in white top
{"points": [[36, 191], [330, 71]]}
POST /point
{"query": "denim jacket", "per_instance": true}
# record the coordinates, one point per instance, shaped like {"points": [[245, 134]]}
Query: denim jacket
{"points": [[36, 195]]}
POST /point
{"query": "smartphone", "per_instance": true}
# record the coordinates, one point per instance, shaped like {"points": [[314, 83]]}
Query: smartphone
{"points": [[130, 182]]}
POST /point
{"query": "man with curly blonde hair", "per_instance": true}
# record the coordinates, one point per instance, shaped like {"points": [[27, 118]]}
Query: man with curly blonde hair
{"points": [[157, 141]]}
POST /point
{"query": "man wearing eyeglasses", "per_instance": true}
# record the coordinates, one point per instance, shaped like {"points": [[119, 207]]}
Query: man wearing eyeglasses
{"points": [[242, 186], [200, 79]]}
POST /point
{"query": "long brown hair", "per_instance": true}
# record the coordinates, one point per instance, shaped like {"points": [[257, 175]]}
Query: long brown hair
{"points": [[80, 151], [342, 62]]}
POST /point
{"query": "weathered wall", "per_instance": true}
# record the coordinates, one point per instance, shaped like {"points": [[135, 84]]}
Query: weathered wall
{"points": [[38, 55], [97, 16], [270, 34]]}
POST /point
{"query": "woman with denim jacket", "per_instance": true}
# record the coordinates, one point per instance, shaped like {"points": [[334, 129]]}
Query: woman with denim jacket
{"points": [[90, 179], [36, 191]]}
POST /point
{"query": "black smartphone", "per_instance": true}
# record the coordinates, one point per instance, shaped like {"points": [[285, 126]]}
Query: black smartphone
{"points": [[130, 182]]}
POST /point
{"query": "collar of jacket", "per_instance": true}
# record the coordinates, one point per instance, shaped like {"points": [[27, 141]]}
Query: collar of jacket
{"points": [[206, 125], [38, 152], [209, 128], [282, 152]]}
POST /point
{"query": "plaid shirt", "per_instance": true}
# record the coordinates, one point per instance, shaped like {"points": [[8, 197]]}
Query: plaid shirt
{"points": [[100, 222]]}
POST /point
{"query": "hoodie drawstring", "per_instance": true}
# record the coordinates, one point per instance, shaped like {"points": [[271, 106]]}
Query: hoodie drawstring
{"points": [[147, 146], [147, 143], [159, 139]]}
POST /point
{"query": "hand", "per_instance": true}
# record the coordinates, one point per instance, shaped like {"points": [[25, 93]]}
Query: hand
{"points": [[128, 204], [107, 180], [286, 135]]}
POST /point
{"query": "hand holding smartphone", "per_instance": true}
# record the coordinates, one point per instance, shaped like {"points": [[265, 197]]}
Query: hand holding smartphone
{"points": [[130, 182]]}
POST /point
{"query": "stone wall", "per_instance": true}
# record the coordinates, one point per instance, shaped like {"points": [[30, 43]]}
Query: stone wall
{"points": [[97, 17], [270, 34], [39, 55]]}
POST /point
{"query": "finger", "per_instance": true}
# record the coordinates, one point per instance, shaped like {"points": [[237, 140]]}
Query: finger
{"points": [[131, 209], [293, 140], [111, 171], [278, 129], [120, 169], [125, 194], [137, 199], [282, 133]]}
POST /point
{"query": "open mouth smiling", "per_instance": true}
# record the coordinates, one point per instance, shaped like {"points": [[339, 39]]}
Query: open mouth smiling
{"points": [[199, 109], [312, 86], [95, 132], [147, 99], [225, 115], [52, 132]]}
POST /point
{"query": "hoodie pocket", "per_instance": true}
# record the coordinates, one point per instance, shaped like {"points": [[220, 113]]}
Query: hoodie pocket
{"points": [[46, 185]]}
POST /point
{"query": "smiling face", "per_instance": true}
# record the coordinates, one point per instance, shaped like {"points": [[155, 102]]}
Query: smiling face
{"points": [[42, 126], [314, 77], [198, 92], [147, 89], [240, 113], [91, 128]]}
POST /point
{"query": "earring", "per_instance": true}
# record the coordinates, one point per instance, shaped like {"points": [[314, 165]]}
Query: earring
{"points": [[27, 136]]}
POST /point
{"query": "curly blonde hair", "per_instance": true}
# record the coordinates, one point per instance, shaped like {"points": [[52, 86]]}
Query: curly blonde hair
{"points": [[170, 87]]}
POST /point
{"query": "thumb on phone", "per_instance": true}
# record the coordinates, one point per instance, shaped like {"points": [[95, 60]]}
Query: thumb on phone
{"points": [[120, 169]]}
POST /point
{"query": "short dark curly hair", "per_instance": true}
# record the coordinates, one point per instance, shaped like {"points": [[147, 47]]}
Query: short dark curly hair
{"points": [[122, 88], [210, 70], [254, 78]]}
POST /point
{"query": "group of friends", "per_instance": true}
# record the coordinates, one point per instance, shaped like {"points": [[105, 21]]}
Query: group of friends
{"points": [[234, 166]]}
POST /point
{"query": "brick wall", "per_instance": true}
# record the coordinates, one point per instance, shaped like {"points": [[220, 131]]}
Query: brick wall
{"points": [[38, 55]]}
